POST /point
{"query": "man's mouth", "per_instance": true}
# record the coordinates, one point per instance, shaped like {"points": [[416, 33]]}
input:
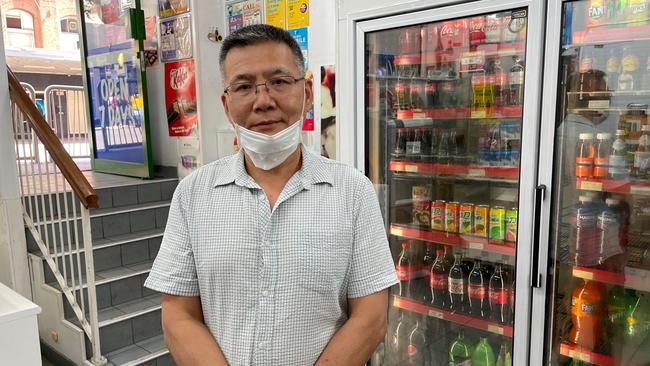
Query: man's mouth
{"points": [[266, 126]]}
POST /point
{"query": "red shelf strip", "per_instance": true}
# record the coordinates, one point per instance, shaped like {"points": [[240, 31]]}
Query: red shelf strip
{"points": [[622, 34], [637, 279], [432, 57], [613, 186], [460, 113], [586, 355], [459, 170], [465, 320], [463, 241]]}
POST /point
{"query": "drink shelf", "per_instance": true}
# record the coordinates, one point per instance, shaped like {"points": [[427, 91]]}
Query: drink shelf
{"points": [[434, 57], [461, 113], [463, 241], [468, 321], [614, 186], [633, 278], [586, 355], [472, 171], [612, 93], [609, 35], [599, 110]]}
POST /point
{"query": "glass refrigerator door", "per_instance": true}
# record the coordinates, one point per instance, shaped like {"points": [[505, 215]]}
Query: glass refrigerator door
{"points": [[443, 133], [599, 299]]}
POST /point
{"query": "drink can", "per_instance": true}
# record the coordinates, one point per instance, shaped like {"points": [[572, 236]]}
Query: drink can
{"points": [[452, 217], [477, 31], [636, 12], [466, 218], [438, 215], [492, 29], [596, 13], [511, 224], [481, 213], [497, 222], [421, 204]]}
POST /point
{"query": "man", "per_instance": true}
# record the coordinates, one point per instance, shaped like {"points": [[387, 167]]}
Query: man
{"points": [[273, 256]]}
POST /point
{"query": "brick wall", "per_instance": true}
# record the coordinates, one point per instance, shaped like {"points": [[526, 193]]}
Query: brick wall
{"points": [[47, 18]]}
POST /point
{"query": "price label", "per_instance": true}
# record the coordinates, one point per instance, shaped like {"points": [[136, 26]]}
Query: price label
{"points": [[397, 231], [640, 190], [397, 302], [419, 115], [411, 168], [579, 356], [591, 186], [479, 114], [470, 61], [583, 274], [495, 329], [476, 172], [599, 104], [436, 314], [478, 246]]}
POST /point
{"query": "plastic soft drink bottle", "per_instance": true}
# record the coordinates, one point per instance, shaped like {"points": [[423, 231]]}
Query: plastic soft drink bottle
{"points": [[587, 312], [641, 167], [609, 227], [585, 154], [498, 296], [460, 352], [483, 355], [416, 351], [404, 270], [601, 158], [620, 302], [618, 164], [443, 155], [457, 286], [516, 82], [399, 340], [438, 280], [505, 356], [584, 235], [477, 291]]}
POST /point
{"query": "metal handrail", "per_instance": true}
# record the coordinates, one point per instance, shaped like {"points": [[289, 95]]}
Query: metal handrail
{"points": [[56, 98], [59, 226]]}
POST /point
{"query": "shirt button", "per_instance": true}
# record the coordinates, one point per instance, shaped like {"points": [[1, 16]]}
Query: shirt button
{"points": [[266, 243], [265, 293], [263, 345]]}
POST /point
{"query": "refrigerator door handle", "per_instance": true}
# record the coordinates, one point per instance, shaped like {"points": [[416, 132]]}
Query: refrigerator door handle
{"points": [[535, 276]]}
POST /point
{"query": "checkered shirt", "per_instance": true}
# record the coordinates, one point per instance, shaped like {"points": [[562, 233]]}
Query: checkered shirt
{"points": [[274, 284]]}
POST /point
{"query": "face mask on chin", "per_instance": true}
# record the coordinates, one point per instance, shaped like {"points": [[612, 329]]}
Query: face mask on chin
{"points": [[267, 152]]}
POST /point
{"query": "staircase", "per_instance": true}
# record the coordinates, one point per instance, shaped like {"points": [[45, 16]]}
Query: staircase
{"points": [[127, 231]]}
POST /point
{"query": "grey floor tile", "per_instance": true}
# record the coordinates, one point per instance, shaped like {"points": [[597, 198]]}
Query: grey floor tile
{"points": [[154, 247], [141, 266], [109, 313], [155, 298], [135, 252], [105, 197], [149, 192], [116, 336], [116, 272], [161, 216], [136, 305], [154, 344], [114, 225], [146, 291], [143, 220], [107, 258], [147, 326], [96, 228], [127, 354], [165, 360], [125, 290], [125, 195], [167, 189]]}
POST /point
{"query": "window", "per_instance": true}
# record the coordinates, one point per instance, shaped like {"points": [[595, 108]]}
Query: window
{"points": [[69, 38], [20, 28], [69, 25]]}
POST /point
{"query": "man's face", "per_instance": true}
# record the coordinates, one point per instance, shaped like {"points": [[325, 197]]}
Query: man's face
{"points": [[267, 113]]}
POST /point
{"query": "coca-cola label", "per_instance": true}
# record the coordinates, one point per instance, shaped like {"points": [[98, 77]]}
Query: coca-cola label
{"points": [[405, 273], [411, 350], [438, 281], [477, 292], [498, 297], [456, 286]]}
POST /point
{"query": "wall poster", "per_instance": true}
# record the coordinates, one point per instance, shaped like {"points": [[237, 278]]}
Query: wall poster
{"points": [[168, 8], [243, 13], [180, 98], [175, 38], [297, 14], [328, 111], [276, 13]]}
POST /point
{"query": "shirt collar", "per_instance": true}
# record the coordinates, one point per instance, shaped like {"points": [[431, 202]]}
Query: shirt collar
{"points": [[313, 171]]}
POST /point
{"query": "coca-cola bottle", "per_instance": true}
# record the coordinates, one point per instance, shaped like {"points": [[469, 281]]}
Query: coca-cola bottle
{"points": [[399, 340], [516, 82], [404, 270], [498, 296], [457, 285], [443, 155], [416, 351], [477, 291], [438, 281]]}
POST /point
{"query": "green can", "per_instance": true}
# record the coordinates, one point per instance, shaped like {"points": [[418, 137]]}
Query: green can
{"points": [[511, 224], [497, 223]]}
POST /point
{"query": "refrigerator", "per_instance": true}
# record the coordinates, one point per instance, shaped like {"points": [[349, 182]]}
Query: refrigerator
{"points": [[446, 113], [593, 299]]}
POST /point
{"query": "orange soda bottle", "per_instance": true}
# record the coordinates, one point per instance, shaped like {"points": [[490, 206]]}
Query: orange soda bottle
{"points": [[587, 314], [585, 153]]}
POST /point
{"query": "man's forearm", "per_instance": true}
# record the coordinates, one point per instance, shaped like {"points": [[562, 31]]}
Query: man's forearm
{"points": [[191, 344], [354, 343]]}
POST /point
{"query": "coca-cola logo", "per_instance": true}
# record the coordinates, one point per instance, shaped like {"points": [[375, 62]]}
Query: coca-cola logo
{"points": [[447, 30], [179, 77], [477, 27]]}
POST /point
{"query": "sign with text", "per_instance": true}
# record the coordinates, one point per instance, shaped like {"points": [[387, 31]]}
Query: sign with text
{"points": [[180, 97], [276, 12]]}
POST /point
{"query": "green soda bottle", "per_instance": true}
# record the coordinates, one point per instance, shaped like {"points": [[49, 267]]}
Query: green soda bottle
{"points": [[505, 357], [483, 354], [460, 352], [619, 303]]}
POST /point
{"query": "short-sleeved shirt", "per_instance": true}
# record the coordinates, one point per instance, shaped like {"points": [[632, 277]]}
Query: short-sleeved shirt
{"points": [[274, 283]]}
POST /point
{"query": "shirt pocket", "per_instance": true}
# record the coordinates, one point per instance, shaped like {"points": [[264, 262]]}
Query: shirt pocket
{"points": [[323, 261]]}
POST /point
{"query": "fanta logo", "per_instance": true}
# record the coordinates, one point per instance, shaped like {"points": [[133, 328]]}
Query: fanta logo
{"points": [[178, 77], [596, 12]]}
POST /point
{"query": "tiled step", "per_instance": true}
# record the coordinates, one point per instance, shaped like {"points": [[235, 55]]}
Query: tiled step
{"points": [[147, 352]]}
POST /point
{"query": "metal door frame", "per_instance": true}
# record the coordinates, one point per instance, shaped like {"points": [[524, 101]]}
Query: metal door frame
{"points": [[530, 130]]}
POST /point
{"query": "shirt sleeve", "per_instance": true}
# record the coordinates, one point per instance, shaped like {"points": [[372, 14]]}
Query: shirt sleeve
{"points": [[372, 268], [174, 271]]}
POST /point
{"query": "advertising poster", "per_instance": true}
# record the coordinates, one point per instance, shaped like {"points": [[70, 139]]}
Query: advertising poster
{"points": [[189, 152], [168, 8], [301, 35], [235, 16], [252, 12], [151, 42], [297, 14], [116, 107], [328, 111], [180, 97], [175, 38], [276, 12]]}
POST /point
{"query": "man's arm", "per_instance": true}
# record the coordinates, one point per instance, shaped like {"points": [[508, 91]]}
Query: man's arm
{"points": [[186, 335], [358, 338]]}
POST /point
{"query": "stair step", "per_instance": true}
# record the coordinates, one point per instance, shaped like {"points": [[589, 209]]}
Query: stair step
{"points": [[100, 212], [150, 351]]}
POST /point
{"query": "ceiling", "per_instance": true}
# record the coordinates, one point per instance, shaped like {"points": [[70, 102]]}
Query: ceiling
{"points": [[42, 61]]}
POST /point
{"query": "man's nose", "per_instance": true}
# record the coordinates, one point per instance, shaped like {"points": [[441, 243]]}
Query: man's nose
{"points": [[263, 99]]}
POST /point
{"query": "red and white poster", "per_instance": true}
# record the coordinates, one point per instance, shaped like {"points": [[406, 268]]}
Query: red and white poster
{"points": [[180, 98]]}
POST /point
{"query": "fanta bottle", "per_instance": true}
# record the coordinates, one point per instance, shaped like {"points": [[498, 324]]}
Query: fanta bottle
{"points": [[587, 314]]}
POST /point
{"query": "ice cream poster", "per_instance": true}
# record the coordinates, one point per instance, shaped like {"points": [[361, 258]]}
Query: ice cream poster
{"points": [[180, 97]]}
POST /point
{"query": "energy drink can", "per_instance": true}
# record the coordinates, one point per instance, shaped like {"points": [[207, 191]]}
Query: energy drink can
{"points": [[466, 218], [497, 223], [481, 216], [438, 215], [452, 217], [511, 224]]}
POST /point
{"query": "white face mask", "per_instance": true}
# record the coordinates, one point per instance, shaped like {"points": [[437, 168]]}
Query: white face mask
{"points": [[267, 152]]}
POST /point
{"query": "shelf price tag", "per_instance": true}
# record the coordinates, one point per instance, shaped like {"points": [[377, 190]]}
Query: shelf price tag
{"points": [[478, 246], [470, 61], [411, 168], [495, 329], [598, 104], [436, 314], [640, 190], [583, 274], [397, 231], [476, 173], [580, 356], [591, 186]]}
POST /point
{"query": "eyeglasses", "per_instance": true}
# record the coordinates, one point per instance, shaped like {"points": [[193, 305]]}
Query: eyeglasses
{"points": [[276, 86]]}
